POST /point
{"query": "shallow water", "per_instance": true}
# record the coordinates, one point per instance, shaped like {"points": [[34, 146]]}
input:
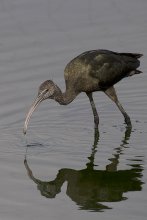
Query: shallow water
{"points": [[62, 169]]}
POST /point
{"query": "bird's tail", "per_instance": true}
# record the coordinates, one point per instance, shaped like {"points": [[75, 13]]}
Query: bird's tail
{"points": [[133, 72], [133, 55], [138, 71]]}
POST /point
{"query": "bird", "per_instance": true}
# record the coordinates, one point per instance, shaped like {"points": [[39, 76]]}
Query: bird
{"points": [[91, 71]]}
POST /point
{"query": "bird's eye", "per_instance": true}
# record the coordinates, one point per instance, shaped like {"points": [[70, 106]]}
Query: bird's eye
{"points": [[46, 94], [42, 92]]}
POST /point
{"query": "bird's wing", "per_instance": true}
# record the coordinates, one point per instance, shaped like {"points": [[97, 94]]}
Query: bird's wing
{"points": [[110, 67], [106, 66]]}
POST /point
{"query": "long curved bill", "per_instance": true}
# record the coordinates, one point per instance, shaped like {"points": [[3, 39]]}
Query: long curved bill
{"points": [[37, 101]]}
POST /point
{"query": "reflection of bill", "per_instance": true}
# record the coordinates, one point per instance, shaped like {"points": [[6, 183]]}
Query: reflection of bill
{"points": [[89, 188]]}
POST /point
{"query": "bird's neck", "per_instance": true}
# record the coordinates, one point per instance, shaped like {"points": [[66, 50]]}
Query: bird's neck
{"points": [[66, 97]]}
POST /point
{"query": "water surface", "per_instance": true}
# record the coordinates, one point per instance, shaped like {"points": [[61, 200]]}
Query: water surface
{"points": [[63, 169]]}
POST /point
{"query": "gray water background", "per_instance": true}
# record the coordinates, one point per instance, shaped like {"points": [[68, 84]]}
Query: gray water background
{"points": [[37, 40]]}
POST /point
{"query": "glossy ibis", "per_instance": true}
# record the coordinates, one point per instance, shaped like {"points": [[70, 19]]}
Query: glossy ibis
{"points": [[95, 70]]}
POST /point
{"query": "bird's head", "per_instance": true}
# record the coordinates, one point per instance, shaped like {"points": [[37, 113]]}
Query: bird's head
{"points": [[47, 90]]}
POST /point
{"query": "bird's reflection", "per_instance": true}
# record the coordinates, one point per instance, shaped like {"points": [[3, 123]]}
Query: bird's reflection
{"points": [[90, 188]]}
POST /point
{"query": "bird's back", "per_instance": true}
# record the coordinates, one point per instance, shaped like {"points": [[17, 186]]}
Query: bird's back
{"points": [[101, 67]]}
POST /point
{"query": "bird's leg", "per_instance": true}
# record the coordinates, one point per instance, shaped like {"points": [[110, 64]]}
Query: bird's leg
{"points": [[95, 114], [110, 92]]}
